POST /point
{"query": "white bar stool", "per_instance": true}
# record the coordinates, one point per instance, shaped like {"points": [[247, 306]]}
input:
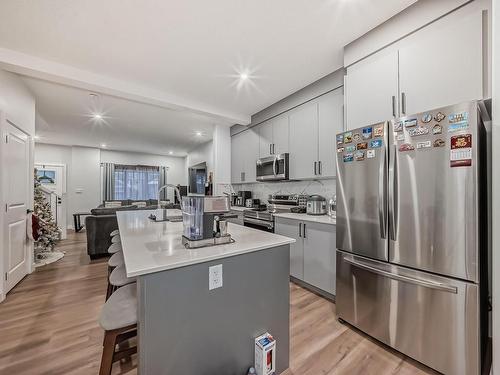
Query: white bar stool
{"points": [[116, 239], [114, 233], [117, 279], [114, 248], [119, 320]]}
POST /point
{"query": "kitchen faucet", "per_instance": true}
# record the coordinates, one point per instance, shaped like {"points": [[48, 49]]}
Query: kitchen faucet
{"points": [[177, 193]]}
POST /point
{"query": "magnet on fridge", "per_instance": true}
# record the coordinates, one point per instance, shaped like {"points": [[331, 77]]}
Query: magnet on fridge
{"points": [[348, 137], [378, 131], [356, 137], [411, 123], [439, 116], [415, 132], [362, 146], [400, 137], [425, 144], [464, 125], [458, 117], [340, 150], [406, 147], [359, 155], [367, 132], [370, 154], [348, 157], [350, 148], [340, 139], [398, 126], [461, 151], [437, 129], [426, 118], [439, 143], [376, 143]]}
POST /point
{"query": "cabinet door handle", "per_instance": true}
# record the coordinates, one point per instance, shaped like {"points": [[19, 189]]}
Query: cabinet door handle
{"points": [[319, 167], [304, 230], [274, 151], [393, 106], [403, 103], [315, 167], [300, 229], [270, 149]]}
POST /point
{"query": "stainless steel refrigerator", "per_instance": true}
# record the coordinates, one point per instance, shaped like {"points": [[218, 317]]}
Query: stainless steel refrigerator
{"points": [[412, 234]]}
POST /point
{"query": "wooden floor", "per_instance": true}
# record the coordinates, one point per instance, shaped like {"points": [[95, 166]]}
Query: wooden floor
{"points": [[48, 325]]}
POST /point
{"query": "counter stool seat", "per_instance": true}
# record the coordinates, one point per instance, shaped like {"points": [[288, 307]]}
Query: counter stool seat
{"points": [[119, 320], [116, 260], [114, 233], [114, 248], [119, 277], [116, 239]]}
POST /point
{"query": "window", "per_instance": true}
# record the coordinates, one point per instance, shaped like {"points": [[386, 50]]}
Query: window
{"points": [[136, 182]]}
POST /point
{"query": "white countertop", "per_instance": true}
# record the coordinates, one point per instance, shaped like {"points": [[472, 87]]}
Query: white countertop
{"points": [[238, 208], [323, 219], [152, 247]]}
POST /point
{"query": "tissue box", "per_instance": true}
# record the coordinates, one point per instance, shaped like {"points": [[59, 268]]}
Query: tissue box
{"points": [[265, 354]]}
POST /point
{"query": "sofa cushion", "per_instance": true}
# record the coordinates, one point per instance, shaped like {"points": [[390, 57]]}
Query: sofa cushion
{"points": [[111, 211]]}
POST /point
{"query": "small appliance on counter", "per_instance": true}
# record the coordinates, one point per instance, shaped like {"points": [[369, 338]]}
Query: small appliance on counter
{"points": [[243, 195], [316, 205], [252, 203], [204, 221], [332, 207]]}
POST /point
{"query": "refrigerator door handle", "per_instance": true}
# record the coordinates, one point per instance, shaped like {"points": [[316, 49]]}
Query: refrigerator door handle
{"points": [[405, 279], [393, 195], [382, 203]]}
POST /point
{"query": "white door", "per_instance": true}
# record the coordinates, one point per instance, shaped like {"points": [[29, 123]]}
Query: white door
{"points": [[265, 131], [442, 64], [15, 174], [304, 141], [331, 122], [280, 134], [372, 89]]}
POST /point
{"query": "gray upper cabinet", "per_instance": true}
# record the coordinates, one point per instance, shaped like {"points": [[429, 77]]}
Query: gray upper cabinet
{"points": [[371, 90], [265, 131], [280, 134], [330, 123], [441, 64], [244, 155], [303, 123]]}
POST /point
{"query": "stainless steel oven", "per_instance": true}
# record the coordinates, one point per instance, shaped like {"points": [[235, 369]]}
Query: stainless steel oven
{"points": [[273, 168], [263, 220]]}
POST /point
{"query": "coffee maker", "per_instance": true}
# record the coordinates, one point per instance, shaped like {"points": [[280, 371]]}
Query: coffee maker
{"points": [[204, 221], [243, 195]]}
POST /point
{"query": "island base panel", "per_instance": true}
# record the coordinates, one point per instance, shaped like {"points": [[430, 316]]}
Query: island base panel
{"points": [[185, 328]]}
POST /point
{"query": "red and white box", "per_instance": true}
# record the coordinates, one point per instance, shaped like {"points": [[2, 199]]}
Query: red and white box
{"points": [[265, 354]]}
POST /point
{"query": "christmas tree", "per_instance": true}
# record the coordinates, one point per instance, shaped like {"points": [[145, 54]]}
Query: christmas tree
{"points": [[48, 233]]}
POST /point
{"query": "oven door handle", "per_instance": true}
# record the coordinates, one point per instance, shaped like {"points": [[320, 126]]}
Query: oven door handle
{"points": [[262, 223], [274, 166]]}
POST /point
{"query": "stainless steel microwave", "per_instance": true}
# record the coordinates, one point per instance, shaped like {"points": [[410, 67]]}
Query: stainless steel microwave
{"points": [[273, 168]]}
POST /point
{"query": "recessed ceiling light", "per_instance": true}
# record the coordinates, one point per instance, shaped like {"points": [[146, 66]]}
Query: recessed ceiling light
{"points": [[243, 76], [199, 134], [97, 116], [36, 137], [170, 152], [103, 145]]}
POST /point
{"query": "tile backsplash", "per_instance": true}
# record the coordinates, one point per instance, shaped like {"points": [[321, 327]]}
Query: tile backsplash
{"points": [[262, 190]]}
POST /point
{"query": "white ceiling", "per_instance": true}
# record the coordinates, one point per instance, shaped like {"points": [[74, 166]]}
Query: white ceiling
{"points": [[64, 117], [189, 50]]}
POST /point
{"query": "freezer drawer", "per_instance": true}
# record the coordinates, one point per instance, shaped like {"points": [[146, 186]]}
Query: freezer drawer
{"points": [[432, 319]]}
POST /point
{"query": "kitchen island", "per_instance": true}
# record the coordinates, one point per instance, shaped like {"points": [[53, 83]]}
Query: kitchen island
{"points": [[185, 328]]}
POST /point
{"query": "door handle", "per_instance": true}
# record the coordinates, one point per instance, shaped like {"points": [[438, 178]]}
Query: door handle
{"points": [[405, 279], [403, 103], [393, 196], [393, 106], [270, 149], [382, 193], [300, 229], [304, 230], [315, 164], [274, 151]]}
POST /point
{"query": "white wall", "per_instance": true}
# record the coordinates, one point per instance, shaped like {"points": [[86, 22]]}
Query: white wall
{"points": [[496, 188], [203, 153], [222, 158], [19, 106], [84, 174]]}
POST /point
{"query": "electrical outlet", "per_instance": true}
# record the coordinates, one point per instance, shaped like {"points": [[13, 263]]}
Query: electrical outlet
{"points": [[215, 277]]}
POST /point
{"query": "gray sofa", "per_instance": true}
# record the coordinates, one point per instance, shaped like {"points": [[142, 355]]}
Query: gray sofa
{"points": [[102, 222]]}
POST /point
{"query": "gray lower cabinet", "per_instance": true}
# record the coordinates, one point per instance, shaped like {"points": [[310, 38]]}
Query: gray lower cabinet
{"points": [[312, 256]]}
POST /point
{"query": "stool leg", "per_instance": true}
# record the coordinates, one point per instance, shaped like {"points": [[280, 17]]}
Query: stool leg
{"points": [[108, 352]]}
